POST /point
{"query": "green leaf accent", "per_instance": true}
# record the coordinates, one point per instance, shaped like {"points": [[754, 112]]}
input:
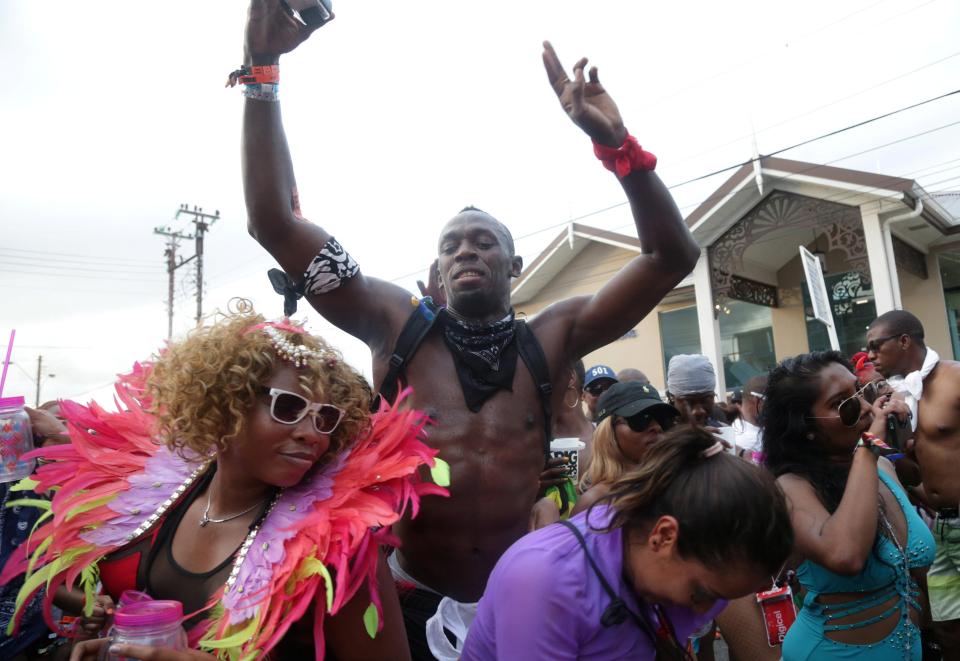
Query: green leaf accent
{"points": [[440, 472], [371, 620], [26, 484]]}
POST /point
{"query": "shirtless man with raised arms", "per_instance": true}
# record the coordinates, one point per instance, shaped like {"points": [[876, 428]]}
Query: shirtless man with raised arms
{"points": [[466, 372]]}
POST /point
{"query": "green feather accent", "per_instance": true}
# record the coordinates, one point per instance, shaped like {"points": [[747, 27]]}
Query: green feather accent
{"points": [[328, 579], [38, 552], [235, 639], [63, 562], [40, 519], [86, 507], [371, 620], [89, 577], [440, 472], [30, 585], [312, 567], [26, 484], [39, 503]]}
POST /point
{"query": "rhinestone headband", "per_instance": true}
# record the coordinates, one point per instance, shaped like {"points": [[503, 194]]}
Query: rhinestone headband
{"points": [[298, 354]]}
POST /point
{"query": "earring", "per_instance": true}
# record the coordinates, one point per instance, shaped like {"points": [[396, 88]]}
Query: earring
{"points": [[576, 403]]}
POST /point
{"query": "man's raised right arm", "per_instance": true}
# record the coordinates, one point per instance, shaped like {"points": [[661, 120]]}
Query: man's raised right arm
{"points": [[367, 308]]}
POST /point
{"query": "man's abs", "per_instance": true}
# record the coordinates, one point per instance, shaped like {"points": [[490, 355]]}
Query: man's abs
{"points": [[939, 458], [495, 454]]}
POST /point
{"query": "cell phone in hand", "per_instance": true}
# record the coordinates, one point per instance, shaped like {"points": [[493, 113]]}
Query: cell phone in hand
{"points": [[312, 13], [898, 432]]}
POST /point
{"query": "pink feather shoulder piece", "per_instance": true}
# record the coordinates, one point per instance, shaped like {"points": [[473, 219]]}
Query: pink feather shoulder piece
{"points": [[317, 546]]}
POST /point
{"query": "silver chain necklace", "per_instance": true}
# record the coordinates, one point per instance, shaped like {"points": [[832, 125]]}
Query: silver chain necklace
{"points": [[205, 519]]}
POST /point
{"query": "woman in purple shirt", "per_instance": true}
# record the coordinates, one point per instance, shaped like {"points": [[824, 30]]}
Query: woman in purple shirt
{"points": [[660, 555]]}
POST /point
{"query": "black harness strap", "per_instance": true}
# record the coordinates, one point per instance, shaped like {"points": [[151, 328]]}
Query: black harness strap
{"points": [[532, 354], [423, 318]]}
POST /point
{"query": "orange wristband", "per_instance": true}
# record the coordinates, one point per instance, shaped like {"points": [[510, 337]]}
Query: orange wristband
{"points": [[255, 75]]}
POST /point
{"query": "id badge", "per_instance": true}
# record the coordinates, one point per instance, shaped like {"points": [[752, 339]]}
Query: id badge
{"points": [[778, 613]]}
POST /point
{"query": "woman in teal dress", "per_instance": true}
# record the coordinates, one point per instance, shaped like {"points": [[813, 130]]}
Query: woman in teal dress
{"points": [[860, 545]]}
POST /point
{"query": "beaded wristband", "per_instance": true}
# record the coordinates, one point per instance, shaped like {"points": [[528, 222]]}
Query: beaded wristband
{"points": [[262, 92], [626, 158]]}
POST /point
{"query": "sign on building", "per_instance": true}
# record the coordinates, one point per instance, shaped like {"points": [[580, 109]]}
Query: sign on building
{"points": [[819, 297]]}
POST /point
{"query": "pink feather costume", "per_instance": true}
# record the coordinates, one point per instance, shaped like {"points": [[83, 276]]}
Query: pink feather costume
{"points": [[114, 482]]}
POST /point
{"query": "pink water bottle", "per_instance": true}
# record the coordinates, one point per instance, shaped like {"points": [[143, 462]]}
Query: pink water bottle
{"points": [[157, 623], [16, 439]]}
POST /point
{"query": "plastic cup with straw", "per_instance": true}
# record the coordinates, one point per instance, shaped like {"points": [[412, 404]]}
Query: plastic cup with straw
{"points": [[16, 438]]}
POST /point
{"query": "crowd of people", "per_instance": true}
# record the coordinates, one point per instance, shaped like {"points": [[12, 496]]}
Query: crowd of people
{"points": [[290, 510]]}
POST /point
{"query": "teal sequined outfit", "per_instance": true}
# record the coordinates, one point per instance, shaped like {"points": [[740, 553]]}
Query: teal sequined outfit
{"points": [[884, 575]]}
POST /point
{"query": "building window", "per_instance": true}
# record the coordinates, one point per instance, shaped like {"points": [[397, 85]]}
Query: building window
{"points": [[950, 277], [746, 340], [679, 333], [851, 301]]}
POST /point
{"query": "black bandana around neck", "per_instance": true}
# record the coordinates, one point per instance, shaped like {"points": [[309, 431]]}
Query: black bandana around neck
{"points": [[485, 355]]}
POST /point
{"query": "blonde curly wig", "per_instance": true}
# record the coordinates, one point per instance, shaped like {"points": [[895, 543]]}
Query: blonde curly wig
{"points": [[202, 388]]}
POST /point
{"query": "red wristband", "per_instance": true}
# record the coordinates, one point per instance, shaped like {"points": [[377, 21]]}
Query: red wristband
{"points": [[626, 158], [255, 75]]}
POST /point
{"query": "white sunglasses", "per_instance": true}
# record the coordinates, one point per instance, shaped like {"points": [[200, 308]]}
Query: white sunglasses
{"points": [[289, 408]]}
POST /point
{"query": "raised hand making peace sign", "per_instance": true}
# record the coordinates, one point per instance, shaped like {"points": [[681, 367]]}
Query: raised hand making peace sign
{"points": [[586, 102]]}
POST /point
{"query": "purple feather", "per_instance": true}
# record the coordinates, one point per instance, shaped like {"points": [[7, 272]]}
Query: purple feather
{"points": [[267, 550]]}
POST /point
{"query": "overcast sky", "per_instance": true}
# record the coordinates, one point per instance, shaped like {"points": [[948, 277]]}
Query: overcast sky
{"points": [[398, 115]]}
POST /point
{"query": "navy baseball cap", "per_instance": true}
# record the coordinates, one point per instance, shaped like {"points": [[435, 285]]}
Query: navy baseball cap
{"points": [[630, 398], [598, 372]]}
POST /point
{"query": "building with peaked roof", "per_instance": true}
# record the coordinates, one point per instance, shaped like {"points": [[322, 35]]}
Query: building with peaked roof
{"points": [[884, 243]]}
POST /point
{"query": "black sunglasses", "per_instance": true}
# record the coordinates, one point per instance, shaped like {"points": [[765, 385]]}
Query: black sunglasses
{"points": [[849, 410], [641, 421], [873, 346], [597, 388]]}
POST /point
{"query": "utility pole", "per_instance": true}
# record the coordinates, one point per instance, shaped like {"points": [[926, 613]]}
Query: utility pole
{"points": [[39, 375], [202, 222], [170, 253]]}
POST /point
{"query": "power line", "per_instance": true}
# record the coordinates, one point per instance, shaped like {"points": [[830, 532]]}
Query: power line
{"points": [[70, 275], [739, 65], [30, 286], [71, 269], [90, 390], [830, 135], [98, 258], [817, 109], [25, 372]]}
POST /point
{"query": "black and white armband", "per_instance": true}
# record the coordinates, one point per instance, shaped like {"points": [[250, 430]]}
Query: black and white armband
{"points": [[329, 269]]}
